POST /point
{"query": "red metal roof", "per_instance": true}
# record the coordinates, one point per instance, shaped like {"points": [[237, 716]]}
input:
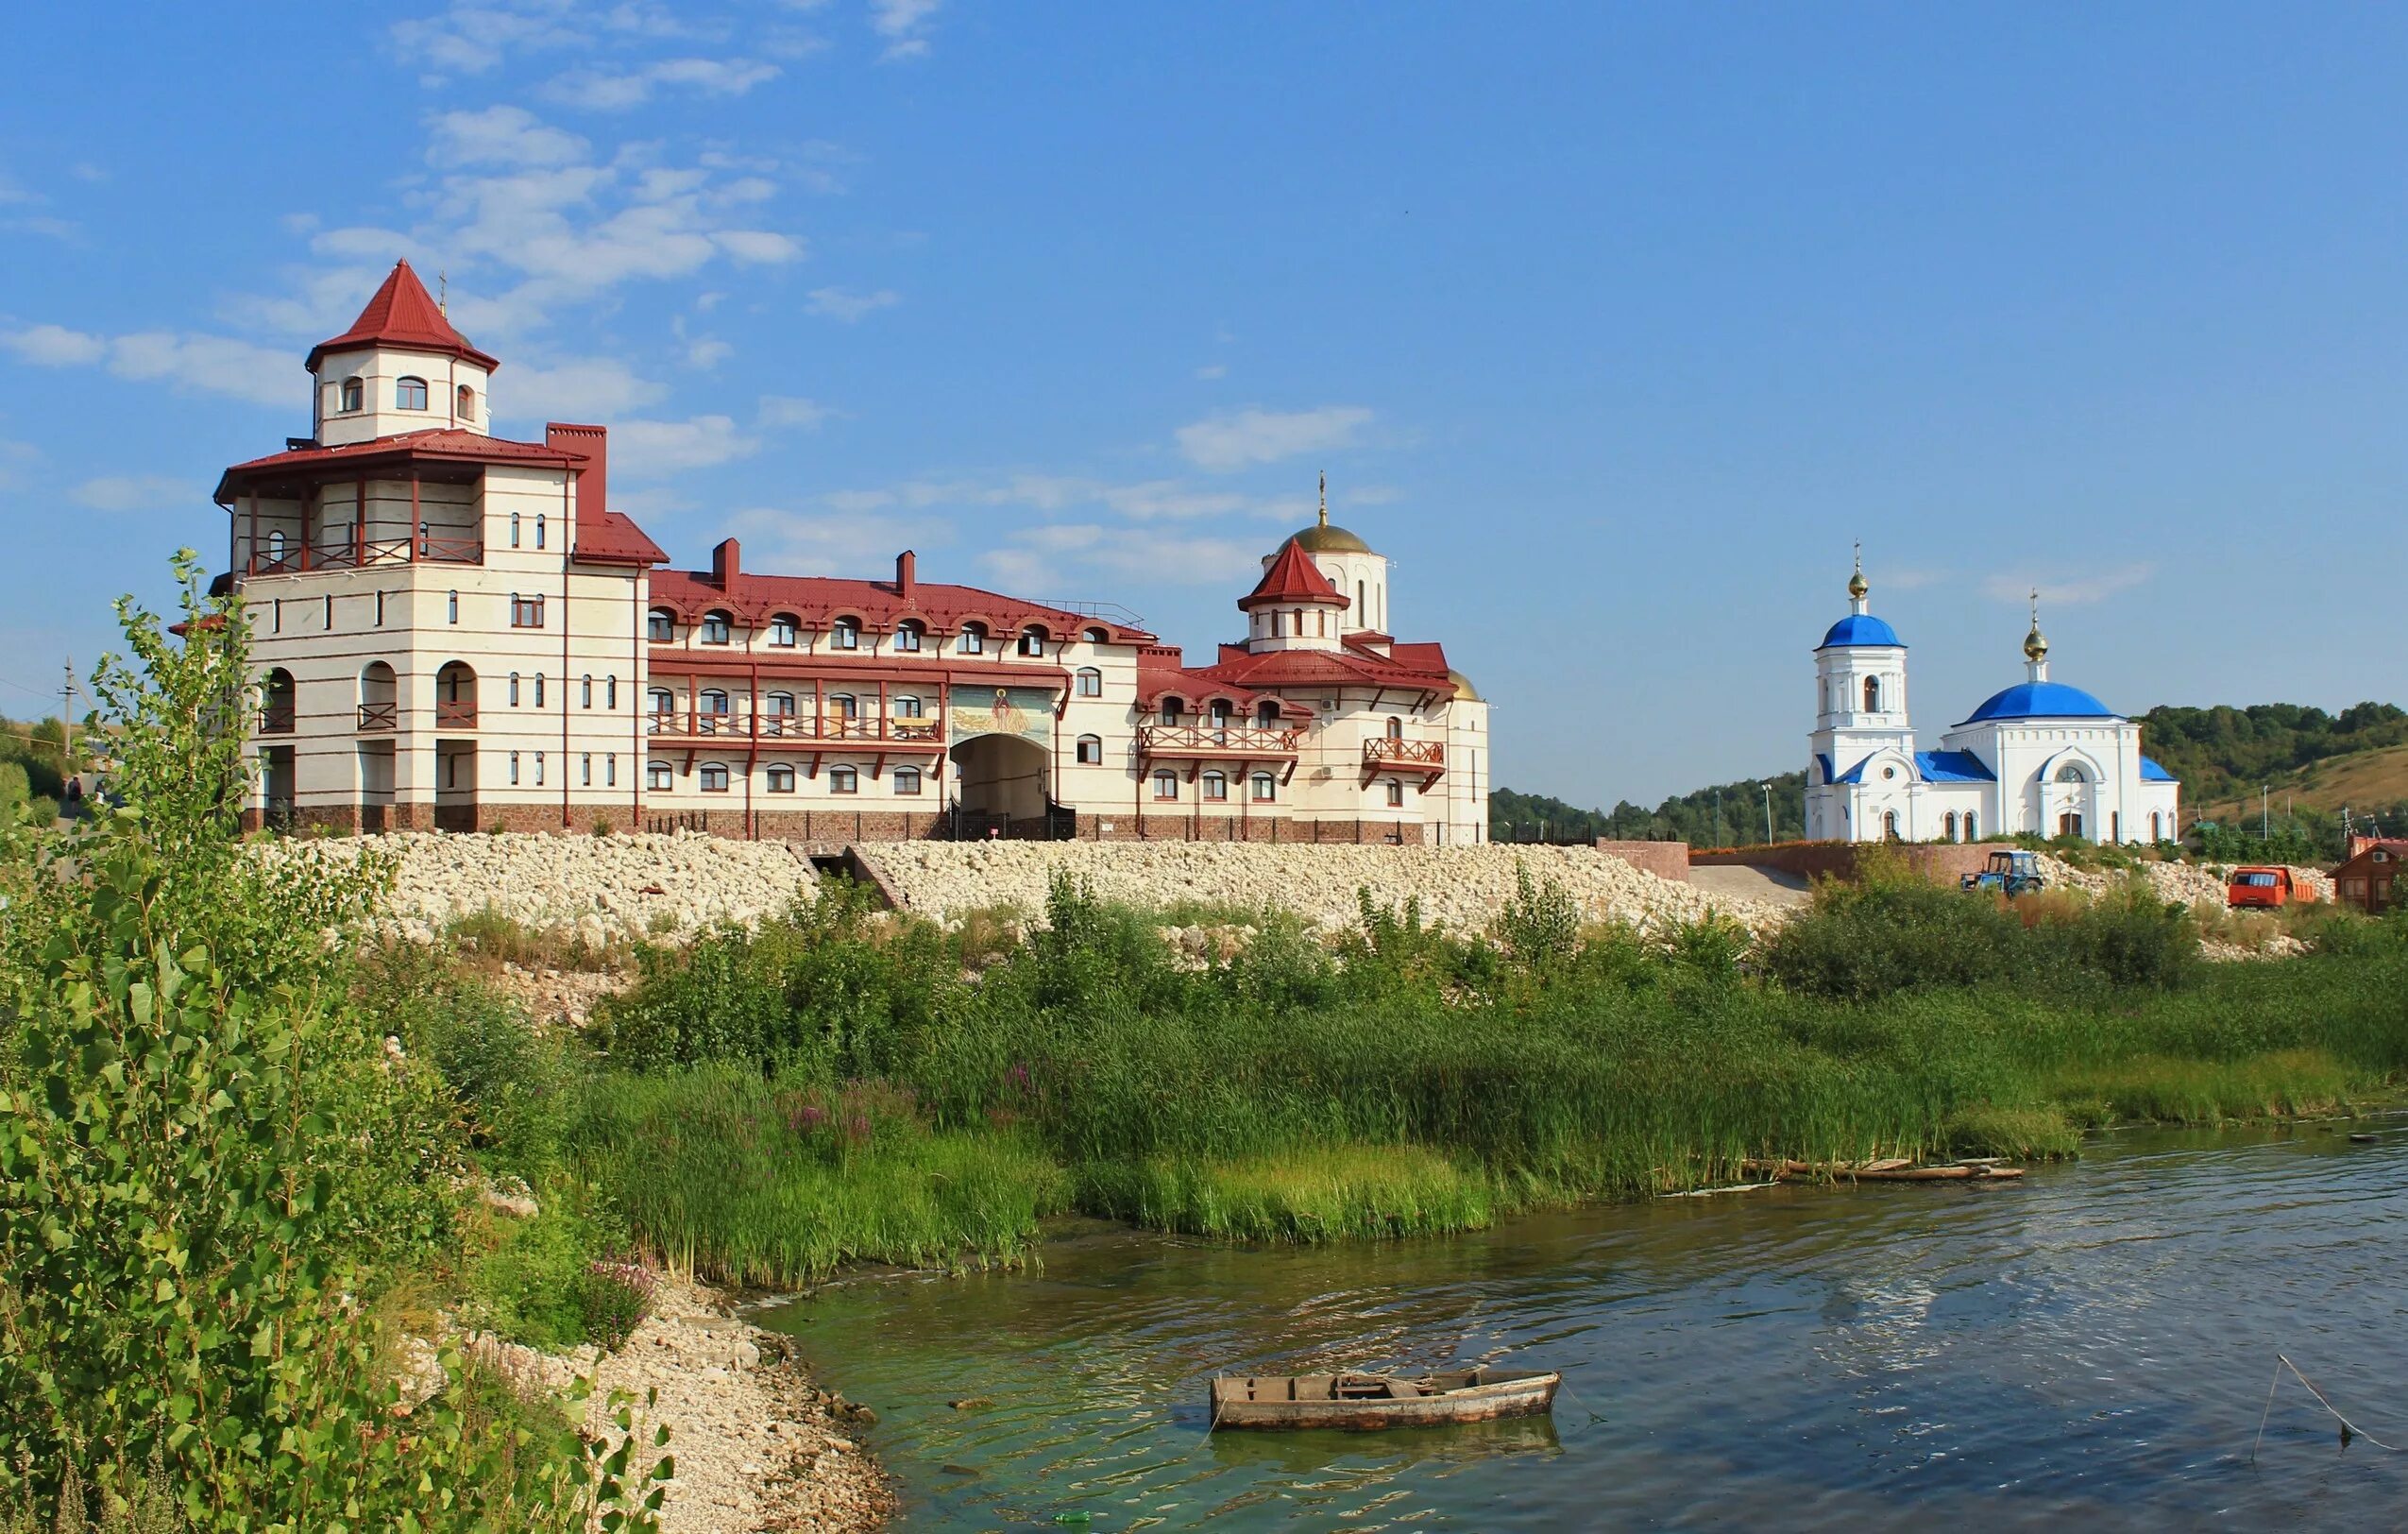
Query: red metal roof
{"points": [[402, 315], [1320, 668], [879, 605], [1292, 578], [440, 443], [613, 539]]}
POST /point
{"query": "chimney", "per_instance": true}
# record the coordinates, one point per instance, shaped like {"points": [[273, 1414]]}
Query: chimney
{"points": [[907, 570], [593, 476], [724, 564]]}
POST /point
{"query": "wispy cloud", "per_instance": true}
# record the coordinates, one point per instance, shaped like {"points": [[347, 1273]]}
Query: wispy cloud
{"points": [[136, 492], [2069, 591], [794, 412], [1213, 371], [650, 448], [809, 543], [1243, 438], [848, 306], [211, 363], [574, 388], [904, 25], [474, 38], [607, 90], [1041, 558]]}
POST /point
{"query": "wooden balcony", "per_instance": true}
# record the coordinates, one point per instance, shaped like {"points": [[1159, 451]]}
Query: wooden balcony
{"points": [[343, 555], [379, 716], [1426, 759], [700, 725], [458, 714], [276, 719], [1252, 743]]}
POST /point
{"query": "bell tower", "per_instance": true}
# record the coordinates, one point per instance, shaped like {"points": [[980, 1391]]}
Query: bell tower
{"points": [[1861, 705]]}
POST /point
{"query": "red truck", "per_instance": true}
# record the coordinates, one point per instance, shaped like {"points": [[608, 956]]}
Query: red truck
{"points": [[2267, 889]]}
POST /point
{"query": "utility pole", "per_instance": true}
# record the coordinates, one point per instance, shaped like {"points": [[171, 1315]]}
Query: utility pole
{"points": [[1768, 812], [2265, 814], [1717, 816], [67, 720]]}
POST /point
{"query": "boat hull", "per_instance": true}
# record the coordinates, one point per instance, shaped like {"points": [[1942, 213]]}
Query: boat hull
{"points": [[1243, 1403]]}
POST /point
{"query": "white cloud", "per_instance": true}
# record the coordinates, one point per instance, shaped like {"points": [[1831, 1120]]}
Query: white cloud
{"points": [[809, 544], [55, 346], [839, 303], [759, 247], [135, 492], [707, 352], [2069, 591], [648, 449], [600, 90], [793, 411], [473, 38], [901, 22], [500, 135], [576, 388], [1216, 370], [211, 363], [1043, 554], [1254, 436]]}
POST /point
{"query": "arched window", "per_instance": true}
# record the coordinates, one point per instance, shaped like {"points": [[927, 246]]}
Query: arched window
{"points": [[1090, 750], [514, 690], [660, 700], [1395, 728], [785, 631], [781, 705], [1166, 784], [781, 777], [1219, 712], [1948, 825], [717, 628], [845, 633], [2069, 823], [660, 625], [1362, 607], [1096, 636], [1265, 787], [2073, 772], [713, 777], [844, 780], [355, 394], [1216, 787], [1872, 694], [539, 530], [1033, 640], [1890, 825], [514, 530], [659, 776], [1091, 682], [1396, 795], [586, 692], [906, 706], [1972, 827], [467, 399], [610, 692], [451, 608], [539, 689], [972, 641], [1170, 710], [1266, 714], [908, 632], [843, 705], [409, 393], [907, 780], [514, 768], [2157, 830], [713, 701]]}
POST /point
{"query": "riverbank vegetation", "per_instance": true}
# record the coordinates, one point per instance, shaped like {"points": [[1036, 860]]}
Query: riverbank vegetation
{"points": [[839, 1084]]}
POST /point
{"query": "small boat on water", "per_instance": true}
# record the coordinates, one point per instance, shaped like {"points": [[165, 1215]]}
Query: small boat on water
{"points": [[1364, 1402]]}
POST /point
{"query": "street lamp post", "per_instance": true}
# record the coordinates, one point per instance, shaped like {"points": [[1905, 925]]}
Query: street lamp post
{"points": [[1767, 814]]}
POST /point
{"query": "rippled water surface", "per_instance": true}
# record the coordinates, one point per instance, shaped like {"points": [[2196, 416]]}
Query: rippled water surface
{"points": [[2090, 1347]]}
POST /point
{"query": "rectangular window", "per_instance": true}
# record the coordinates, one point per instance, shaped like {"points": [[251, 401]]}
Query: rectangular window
{"points": [[659, 776], [907, 780], [1165, 785], [713, 777], [844, 780], [610, 770], [451, 608], [781, 778], [1267, 788], [275, 620], [380, 609], [330, 612], [907, 637], [526, 612], [1396, 795]]}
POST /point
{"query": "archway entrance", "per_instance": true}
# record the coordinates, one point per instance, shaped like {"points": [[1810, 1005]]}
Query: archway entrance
{"points": [[1002, 787]]}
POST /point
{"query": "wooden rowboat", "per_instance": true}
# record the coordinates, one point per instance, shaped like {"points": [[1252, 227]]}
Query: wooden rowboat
{"points": [[1365, 1402]]}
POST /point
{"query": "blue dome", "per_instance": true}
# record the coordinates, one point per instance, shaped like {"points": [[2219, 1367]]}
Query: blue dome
{"points": [[1860, 628], [2042, 700]]}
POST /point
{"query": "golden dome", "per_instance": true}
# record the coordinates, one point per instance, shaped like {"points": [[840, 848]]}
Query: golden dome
{"points": [[1858, 586], [1464, 689], [1323, 537], [2035, 643]]}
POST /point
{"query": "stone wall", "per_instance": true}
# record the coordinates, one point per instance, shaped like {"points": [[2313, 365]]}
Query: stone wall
{"points": [[1944, 863], [1665, 860]]}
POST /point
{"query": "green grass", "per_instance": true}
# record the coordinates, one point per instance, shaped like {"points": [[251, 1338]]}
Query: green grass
{"points": [[1308, 1194]]}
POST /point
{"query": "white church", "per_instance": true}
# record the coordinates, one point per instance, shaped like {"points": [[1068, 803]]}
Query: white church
{"points": [[2040, 756]]}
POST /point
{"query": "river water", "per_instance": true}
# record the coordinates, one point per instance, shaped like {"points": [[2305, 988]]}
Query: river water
{"points": [[2090, 1347]]}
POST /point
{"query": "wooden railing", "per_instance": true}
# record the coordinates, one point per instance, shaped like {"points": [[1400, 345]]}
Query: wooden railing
{"points": [[342, 556], [276, 719], [1386, 751], [458, 714], [379, 716], [1215, 740]]}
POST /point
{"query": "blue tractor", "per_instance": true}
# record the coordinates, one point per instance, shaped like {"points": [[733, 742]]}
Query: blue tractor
{"points": [[2009, 874]]}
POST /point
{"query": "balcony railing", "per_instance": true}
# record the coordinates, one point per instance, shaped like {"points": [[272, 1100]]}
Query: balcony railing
{"points": [[1215, 740], [1387, 751], [455, 714], [341, 554], [702, 724], [379, 716], [276, 719]]}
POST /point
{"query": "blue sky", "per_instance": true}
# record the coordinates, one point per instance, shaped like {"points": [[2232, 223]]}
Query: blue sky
{"points": [[1614, 326]]}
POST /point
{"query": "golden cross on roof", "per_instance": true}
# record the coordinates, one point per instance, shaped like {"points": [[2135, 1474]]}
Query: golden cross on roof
{"points": [[1325, 498], [443, 293]]}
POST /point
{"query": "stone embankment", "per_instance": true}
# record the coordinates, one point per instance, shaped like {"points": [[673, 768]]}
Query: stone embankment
{"points": [[755, 1445], [1463, 887], [2199, 885], [600, 888]]}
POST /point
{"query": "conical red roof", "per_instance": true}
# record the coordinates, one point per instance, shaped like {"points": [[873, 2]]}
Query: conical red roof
{"points": [[1292, 577], [402, 315]]}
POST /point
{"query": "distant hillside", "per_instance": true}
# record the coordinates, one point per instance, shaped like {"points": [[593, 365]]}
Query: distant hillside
{"points": [[1727, 814], [2224, 754]]}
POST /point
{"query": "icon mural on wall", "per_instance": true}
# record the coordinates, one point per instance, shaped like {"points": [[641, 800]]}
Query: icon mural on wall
{"points": [[1025, 712]]}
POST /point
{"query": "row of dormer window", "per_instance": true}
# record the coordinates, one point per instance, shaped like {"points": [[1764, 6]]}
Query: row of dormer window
{"points": [[409, 393]]}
